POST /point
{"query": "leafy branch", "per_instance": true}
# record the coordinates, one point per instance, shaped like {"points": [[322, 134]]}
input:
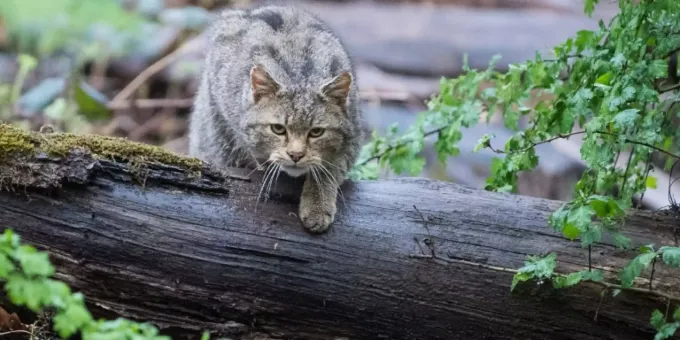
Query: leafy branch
{"points": [[27, 276], [611, 93]]}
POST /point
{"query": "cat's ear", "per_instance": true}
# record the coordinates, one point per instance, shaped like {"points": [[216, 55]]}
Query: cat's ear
{"points": [[337, 89], [262, 84]]}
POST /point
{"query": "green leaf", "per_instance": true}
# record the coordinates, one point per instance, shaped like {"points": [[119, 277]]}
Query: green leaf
{"points": [[71, 320], [658, 69], [541, 267], [626, 118], [558, 218], [649, 248], [634, 268], [33, 262], [605, 206], [604, 79], [670, 256], [484, 142], [570, 231], [581, 217], [622, 241], [589, 6], [519, 277], [592, 275], [91, 103], [6, 266], [27, 292], [591, 235], [567, 281], [650, 182], [666, 331], [657, 319], [535, 267]]}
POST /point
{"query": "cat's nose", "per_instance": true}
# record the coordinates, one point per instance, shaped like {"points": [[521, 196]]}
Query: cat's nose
{"points": [[296, 156]]}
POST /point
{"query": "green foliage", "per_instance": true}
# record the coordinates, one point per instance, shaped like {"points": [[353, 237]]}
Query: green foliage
{"points": [[543, 268], [665, 329], [576, 277], [636, 266], [611, 96], [536, 268], [647, 255], [27, 275], [89, 28], [70, 101], [670, 256]]}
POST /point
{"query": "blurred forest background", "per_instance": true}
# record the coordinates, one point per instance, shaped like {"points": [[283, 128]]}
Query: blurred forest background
{"points": [[130, 68]]}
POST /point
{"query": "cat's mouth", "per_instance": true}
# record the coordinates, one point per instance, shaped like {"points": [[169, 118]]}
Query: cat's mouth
{"points": [[295, 170]]}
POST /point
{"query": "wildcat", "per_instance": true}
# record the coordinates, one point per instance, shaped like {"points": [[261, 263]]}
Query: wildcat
{"points": [[278, 89]]}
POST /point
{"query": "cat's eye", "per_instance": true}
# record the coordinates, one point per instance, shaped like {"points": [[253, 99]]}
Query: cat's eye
{"points": [[316, 132], [278, 129]]}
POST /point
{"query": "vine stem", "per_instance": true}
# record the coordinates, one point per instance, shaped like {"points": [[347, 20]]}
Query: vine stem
{"points": [[560, 136], [670, 88], [603, 293], [651, 276], [604, 284], [392, 147]]}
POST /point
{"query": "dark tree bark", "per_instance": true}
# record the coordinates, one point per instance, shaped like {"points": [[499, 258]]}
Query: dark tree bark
{"points": [[406, 259]]}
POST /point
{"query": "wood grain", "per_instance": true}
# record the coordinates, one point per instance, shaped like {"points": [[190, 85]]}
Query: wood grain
{"points": [[193, 253]]}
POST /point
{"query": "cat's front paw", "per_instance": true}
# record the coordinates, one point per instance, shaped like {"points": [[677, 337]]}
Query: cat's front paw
{"points": [[317, 217]]}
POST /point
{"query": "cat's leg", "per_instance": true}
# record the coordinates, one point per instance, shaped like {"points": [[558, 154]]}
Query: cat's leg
{"points": [[318, 199]]}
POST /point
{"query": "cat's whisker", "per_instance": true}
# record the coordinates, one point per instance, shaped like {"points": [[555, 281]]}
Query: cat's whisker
{"points": [[330, 176], [276, 180], [258, 166], [264, 181], [331, 164], [272, 179], [316, 179], [342, 195]]}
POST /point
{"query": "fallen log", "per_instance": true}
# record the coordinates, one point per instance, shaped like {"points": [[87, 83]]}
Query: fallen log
{"points": [[156, 237]]}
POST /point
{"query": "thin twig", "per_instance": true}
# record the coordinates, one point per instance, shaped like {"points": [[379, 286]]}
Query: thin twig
{"points": [[651, 276], [601, 283], [670, 88], [625, 173], [150, 71], [590, 258], [15, 332], [153, 104], [648, 168], [390, 148], [603, 293], [560, 136]]}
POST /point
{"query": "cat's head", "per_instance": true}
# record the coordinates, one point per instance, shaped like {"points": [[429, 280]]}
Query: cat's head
{"points": [[297, 127]]}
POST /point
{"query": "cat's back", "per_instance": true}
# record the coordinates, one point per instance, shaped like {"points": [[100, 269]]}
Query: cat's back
{"points": [[290, 42]]}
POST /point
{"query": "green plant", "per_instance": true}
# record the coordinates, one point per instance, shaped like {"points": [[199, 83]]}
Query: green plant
{"points": [[27, 274], [27, 277], [615, 78], [86, 29]]}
